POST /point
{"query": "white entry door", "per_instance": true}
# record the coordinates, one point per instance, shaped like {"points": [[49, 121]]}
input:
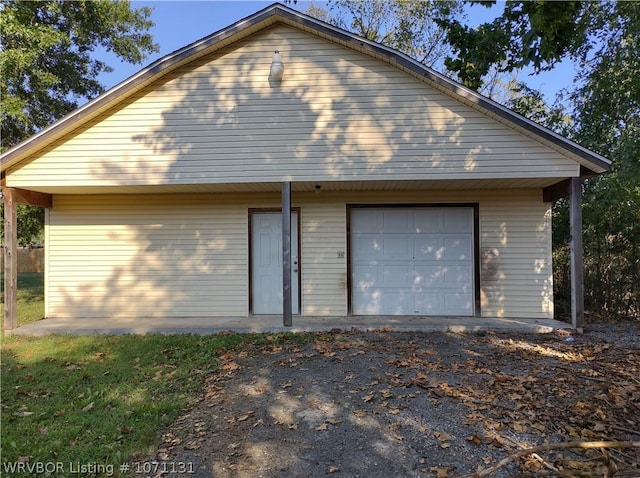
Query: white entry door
{"points": [[266, 263], [412, 261]]}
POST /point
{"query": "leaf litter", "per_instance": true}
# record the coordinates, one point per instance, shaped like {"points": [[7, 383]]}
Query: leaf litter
{"points": [[382, 404]]}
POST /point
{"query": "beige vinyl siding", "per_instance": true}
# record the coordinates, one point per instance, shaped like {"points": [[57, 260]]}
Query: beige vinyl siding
{"points": [[516, 269], [147, 256], [324, 268], [186, 255], [338, 115]]}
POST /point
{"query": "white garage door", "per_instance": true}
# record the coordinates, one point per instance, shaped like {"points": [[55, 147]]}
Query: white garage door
{"points": [[412, 261]]}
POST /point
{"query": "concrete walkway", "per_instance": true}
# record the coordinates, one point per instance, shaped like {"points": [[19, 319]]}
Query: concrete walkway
{"points": [[212, 325]]}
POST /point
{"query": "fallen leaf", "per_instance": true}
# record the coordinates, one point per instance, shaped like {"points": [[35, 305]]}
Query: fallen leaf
{"points": [[193, 445], [600, 427], [442, 436], [333, 421], [88, 407], [519, 427], [360, 413], [286, 384], [539, 426], [475, 439], [440, 471], [368, 398], [245, 417], [334, 469], [322, 427]]}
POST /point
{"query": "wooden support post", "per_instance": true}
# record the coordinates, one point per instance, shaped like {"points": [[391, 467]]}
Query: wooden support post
{"points": [[10, 260], [575, 229], [286, 254]]}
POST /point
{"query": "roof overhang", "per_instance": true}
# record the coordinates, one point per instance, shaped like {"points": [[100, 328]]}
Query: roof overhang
{"points": [[591, 162]]}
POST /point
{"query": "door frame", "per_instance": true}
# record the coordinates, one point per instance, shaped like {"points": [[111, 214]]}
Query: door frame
{"points": [[477, 312], [250, 213]]}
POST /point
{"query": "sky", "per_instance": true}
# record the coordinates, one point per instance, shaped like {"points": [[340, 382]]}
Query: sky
{"points": [[179, 23]]}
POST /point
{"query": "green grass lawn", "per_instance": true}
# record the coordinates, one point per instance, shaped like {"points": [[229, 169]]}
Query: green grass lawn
{"points": [[30, 298], [98, 399]]}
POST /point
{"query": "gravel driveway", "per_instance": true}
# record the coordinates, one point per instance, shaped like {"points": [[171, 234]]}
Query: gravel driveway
{"points": [[414, 404]]}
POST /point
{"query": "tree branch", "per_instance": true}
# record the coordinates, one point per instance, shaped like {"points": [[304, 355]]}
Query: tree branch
{"points": [[555, 446]]}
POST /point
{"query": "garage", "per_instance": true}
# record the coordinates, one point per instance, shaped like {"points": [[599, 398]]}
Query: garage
{"points": [[412, 260]]}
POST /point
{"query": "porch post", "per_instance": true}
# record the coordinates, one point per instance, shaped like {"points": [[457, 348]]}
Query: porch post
{"points": [[575, 230], [10, 260], [286, 254]]}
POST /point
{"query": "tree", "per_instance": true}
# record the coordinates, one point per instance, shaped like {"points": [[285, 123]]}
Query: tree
{"points": [[46, 60], [606, 119], [527, 33], [607, 106], [406, 25], [48, 69]]}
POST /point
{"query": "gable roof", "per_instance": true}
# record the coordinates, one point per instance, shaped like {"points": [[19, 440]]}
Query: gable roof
{"points": [[592, 162]]}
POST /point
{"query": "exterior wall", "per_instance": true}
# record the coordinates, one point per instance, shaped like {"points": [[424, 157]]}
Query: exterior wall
{"points": [[516, 262], [187, 255], [141, 256], [338, 115]]}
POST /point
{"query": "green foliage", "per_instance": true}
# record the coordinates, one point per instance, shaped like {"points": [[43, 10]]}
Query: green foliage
{"points": [[30, 225], [46, 60], [530, 103], [606, 107], [527, 33], [608, 116]]}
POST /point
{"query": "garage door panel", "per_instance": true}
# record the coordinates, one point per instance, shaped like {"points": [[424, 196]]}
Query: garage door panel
{"points": [[428, 275], [418, 261], [457, 303], [459, 248], [428, 247], [366, 221], [366, 247], [367, 276], [397, 275], [458, 220], [429, 303], [429, 221], [383, 302], [396, 248], [458, 277], [397, 221]]}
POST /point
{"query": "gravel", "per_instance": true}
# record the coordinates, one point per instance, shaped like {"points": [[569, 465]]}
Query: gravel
{"points": [[385, 404]]}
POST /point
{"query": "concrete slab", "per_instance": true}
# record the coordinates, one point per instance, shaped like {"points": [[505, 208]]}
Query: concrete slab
{"points": [[258, 324]]}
